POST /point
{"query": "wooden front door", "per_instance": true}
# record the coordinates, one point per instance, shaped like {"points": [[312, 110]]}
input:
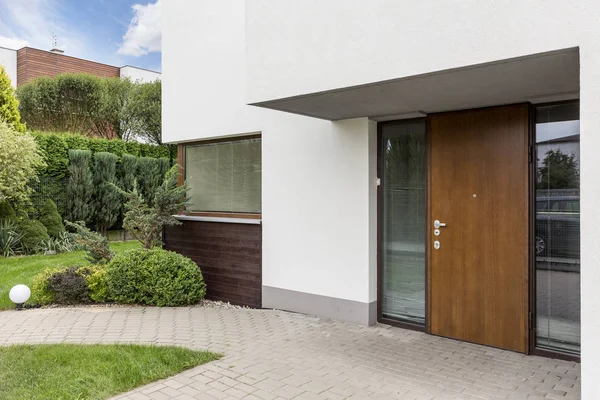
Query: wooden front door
{"points": [[478, 274]]}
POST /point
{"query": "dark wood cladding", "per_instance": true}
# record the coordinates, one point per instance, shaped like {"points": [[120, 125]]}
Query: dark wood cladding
{"points": [[32, 63], [229, 256]]}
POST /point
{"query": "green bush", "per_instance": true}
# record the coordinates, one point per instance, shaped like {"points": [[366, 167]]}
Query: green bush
{"points": [[69, 286], [51, 219], [40, 290], [10, 238], [154, 277], [34, 234], [7, 212], [63, 243], [95, 277], [96, 245]]}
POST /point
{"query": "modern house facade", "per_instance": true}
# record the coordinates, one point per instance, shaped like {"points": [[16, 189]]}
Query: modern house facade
{"points": [[28, 63], [430, 165]]}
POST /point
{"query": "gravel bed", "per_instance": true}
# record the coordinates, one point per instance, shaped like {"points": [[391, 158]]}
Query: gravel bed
{"points": [[203, 303]]}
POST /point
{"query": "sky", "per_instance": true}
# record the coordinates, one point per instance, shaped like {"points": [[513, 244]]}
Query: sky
{"points": [[115, 32]]}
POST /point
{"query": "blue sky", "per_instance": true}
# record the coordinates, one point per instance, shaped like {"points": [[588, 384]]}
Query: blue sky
{"points": [[115, 32]]}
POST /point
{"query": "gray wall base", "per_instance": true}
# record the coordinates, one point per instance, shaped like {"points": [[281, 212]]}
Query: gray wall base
{"points": [[321, 306]]}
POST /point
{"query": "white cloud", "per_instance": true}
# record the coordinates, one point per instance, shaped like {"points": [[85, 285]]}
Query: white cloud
{"points": [[12, 42], [143, 35], [34, 22]]}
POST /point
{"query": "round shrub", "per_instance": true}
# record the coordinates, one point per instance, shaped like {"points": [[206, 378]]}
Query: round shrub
{"points": [[154, 277], [51, 219], [69, 286], [34, 234]]}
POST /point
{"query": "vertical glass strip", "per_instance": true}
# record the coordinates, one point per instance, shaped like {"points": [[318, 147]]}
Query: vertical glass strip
{"points": [[557, 228], [403, 180]]}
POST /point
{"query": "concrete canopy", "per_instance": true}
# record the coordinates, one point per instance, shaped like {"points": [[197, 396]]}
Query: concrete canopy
{"points": [[534, 78]]}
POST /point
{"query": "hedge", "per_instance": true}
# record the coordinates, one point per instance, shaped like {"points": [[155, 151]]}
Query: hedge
{"points": [[55, 150]]}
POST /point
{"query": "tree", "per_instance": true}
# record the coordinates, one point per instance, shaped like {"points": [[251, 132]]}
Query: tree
{"points": [[113, 119], [20, 160], [148, 177], [145, 222], [51, 219], [96, 245], [106, 107], [62, 103], [558, 171], [80, 186], [9, 105], [105, 199], [145, 108], [129, 171]]}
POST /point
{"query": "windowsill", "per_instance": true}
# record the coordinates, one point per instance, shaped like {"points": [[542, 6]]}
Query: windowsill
{"points": [[226, 220]]}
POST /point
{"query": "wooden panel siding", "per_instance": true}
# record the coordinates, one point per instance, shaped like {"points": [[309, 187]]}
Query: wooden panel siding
{"points": [[229, 256], [32, 63]]}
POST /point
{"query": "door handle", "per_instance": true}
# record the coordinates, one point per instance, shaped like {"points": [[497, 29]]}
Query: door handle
{"points": [[437, 224]]}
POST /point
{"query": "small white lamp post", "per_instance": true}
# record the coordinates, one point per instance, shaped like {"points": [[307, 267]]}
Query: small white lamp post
{"points": [[19, 294]]}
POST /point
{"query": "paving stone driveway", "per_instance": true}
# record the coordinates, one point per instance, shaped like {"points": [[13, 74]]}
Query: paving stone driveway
{"points": [[280, 355]]}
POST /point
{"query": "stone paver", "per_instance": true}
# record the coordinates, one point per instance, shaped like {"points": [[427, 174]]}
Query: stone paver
{"points": [[280, 355]]}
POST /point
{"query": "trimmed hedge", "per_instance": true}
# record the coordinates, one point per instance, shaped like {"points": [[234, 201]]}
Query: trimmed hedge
{"points": [[55, 147]]}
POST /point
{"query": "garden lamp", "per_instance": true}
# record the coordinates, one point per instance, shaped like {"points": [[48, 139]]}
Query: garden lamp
{"points": [[19, 294]]}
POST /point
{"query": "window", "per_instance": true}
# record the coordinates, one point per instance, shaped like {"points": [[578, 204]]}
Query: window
{"points": [[224, 176], [557, 241], [404, 206]]}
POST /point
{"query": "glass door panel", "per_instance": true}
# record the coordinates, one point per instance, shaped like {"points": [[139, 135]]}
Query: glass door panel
{"points": [[403, 181], [557, 228]]}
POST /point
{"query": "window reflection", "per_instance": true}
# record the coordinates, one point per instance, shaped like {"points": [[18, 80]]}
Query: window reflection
{"points": [[557, 238], [404, 211]]}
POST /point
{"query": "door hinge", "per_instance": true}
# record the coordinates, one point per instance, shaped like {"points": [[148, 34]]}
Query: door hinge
{"points": [[530, 154], [530, 320], [378, 181]]}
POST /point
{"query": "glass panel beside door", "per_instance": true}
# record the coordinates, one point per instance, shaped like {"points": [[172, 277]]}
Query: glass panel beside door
{"points": [[404, 204], [557, 237]]}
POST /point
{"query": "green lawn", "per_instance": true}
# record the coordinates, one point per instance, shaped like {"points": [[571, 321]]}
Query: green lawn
{"points": [[64, 371], [22, 269]]}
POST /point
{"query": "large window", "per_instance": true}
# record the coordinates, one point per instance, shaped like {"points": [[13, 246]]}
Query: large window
{"points": [[557, 228], [224, 176], [404, 207]]}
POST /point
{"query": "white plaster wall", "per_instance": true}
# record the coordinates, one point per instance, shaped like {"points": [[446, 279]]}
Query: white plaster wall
{"points": [[139, 74], [303, 46], [8, 59], [315, 179]]}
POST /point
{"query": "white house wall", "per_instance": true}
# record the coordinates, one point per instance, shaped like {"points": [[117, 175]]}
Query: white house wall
{"points": [[8, 59], [139, 74], [316, 179], [305, 46]]}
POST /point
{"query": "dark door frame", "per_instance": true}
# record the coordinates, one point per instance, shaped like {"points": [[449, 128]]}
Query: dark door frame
{"points": [[532, 348]]}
